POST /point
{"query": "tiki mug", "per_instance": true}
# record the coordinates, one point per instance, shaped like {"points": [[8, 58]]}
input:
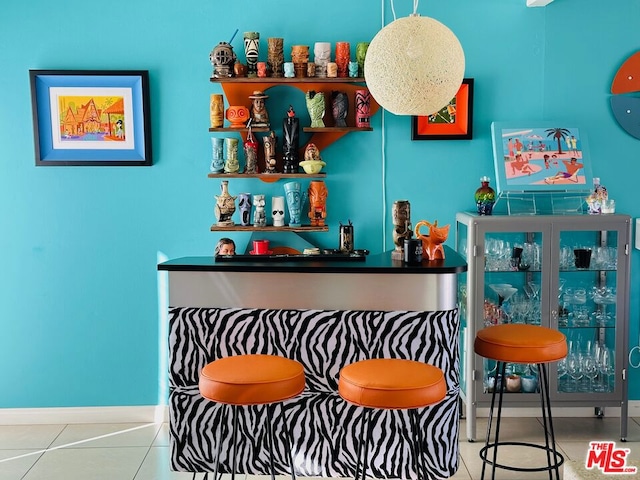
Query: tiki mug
{"points": [[322, 56], [262, 69], [317, 203], [225, 206], [244, 204], [339, 108], [361, 54], [259, 214], [222, 58], [275, 56], [250, 148], [300, 59], [401, 217], [353, 69], [259, 114], [332, 70], [289, 70], [315, 106], [277, 211], [290, 142], [270, 141], [231, 164], [217, 156], [311, 69], [295, 201], [363, 108], [216, 110], [343, 55], [251, 47]]}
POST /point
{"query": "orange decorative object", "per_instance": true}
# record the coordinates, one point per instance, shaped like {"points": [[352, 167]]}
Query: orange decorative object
{"points": [[627, 79], [432, 243], [317, 202], [238, 116]]}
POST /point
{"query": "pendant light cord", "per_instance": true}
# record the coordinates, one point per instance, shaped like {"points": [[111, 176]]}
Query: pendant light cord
{"points": [[383, 149], [393, 8]]}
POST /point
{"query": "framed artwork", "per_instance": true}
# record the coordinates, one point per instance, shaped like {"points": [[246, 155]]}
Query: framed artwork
{"points": [[91, 117], [548, 156], [452, 122]]}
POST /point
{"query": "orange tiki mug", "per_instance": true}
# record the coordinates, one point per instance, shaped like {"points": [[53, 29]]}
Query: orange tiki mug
{"points": [[317, 203], [432, 243]]}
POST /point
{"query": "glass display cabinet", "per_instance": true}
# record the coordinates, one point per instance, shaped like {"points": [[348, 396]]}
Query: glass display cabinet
{"points": [[567, 272]]}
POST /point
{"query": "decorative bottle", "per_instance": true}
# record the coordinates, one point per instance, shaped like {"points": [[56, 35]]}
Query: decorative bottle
{"points": [[485, 197]]}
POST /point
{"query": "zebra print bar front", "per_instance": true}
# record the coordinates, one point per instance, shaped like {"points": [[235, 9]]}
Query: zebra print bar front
{"points": [[324, 426]]}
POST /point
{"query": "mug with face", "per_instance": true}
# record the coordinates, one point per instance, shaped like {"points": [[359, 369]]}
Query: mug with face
{"points": [[277, 211]]}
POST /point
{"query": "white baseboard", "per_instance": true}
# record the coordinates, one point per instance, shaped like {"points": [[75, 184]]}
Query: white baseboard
{"points": [[71, 415]]}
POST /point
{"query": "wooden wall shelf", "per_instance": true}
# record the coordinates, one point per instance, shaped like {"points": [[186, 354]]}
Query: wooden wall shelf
{"points": [[266, 176], [287, 80], [268, 228]]}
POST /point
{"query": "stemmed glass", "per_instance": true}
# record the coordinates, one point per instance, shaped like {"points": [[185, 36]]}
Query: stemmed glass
{"points": [[574, 369], [607, 368], [590, 369]]}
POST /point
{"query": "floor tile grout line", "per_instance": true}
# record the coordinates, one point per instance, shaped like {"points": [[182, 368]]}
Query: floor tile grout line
{"points": [[49, 449]]}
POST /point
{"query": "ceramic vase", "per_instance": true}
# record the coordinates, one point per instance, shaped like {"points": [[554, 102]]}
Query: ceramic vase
{"points": [[295, 201], [231, 164], [251, 48], [244, 204], [290, 142], [225, 206], [275, 56], [363, 108], [216, 110], [339, 108], [217, 155], [317, 193], [485, 197], [315, 106], [277, 211], [259, 214], [343, 56]]}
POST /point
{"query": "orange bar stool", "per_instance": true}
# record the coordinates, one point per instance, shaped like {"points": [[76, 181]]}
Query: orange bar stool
{"points": [[251, 380], [520, 343], [391, 384]]}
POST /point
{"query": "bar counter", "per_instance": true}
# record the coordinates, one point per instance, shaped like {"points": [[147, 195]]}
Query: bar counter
{"points": [[325, 314]]}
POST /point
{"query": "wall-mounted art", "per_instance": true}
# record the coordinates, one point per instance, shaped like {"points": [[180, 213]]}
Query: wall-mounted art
{"points": [[454, 121], [547, 156], [625, 106], [91, 117]]}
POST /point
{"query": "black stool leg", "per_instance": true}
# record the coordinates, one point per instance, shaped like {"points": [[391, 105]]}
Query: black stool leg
{"points": [[270, 439], [500, 370], [233, 439], [223, 418], [288, 439], [418, 442], [547, 420], [364, 443]]}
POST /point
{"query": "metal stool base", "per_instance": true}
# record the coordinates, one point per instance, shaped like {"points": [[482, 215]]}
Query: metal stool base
{"points": [[558, 461]]}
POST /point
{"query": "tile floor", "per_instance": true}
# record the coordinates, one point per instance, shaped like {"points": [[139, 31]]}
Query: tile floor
{"points": [[141, 451]]}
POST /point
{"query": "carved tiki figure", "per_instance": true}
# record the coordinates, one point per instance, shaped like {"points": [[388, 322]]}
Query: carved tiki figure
{"points": [[317, 202]]}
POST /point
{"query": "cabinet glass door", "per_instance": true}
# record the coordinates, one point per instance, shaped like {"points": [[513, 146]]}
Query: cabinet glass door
{"points": [[588, 300]]}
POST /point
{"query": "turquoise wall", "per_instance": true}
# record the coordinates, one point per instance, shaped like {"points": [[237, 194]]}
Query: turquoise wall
{"points": [[79, 290]]}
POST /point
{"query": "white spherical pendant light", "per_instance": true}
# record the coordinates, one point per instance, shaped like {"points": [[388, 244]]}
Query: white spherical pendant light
{"points": [[414, 66]]}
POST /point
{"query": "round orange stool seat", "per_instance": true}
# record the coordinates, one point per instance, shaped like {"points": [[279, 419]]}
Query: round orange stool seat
{"points": [[251, 379], [392, 384], [520, 343]]}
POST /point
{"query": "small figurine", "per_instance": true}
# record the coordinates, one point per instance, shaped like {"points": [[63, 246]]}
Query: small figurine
{"points": [[401, 219], [290, 142], [312, 154], [361, 54], [225, 206], [317, 203], [251, 50], [244, 203], [432, 243], [250, 147], [339, 108], [259, 115], [322, 56], [275, 56], [289, 71], [223, 59], [259, 215], [225, 246], [315, 106], [270, 142], [353, 69]]}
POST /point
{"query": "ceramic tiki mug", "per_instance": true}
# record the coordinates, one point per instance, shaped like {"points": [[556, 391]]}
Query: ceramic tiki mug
{"points": [[250, 147], [353, 69], [317, 202], [277, 211], [432, 242], [237, 115], [361, 54], [339, 108], [259, 214], [244, 204], [225, 206], [270, 142], [315, 106], [222, 58], [231, 164], [401, 218], [251, 47], [295, 201], [322, 56], [343, 56], [290, 142], [216, 111], [363, 108], [217, 155], [289, 71], [275, 56]]}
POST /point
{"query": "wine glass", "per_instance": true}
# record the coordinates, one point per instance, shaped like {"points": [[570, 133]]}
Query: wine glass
{"points": [[607, 368], [574, 370], [590, 369]]}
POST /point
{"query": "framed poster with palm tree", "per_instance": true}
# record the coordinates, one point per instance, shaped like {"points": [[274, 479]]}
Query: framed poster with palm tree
{"points": [[549, 156]]}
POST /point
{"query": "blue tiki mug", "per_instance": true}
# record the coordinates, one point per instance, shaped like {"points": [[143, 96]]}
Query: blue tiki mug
{"points": [[295, 201]]}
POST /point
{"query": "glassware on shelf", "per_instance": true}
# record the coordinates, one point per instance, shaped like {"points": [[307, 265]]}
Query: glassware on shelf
{"points": [[504, 291], [603, 297]]}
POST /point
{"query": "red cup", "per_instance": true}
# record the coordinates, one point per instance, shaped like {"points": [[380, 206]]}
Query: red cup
{"points": [[260, 247]]}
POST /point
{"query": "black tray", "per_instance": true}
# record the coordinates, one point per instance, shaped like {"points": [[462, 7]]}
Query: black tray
{"points": [[339, 257]]}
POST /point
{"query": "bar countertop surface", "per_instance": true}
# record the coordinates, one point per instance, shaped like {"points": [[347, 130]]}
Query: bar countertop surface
{"points": [[372, 264]]}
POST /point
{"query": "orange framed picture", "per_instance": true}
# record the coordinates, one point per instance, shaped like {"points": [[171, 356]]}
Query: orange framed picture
{"points": [[454, 121]]}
